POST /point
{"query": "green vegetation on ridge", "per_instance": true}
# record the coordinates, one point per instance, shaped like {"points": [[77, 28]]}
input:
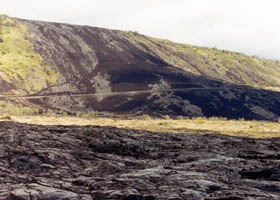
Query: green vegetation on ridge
{"points": [[224, 65], [20, 65]]}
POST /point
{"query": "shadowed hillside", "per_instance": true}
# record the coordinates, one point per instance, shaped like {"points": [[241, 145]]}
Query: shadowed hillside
{"points": [[174, 79]]}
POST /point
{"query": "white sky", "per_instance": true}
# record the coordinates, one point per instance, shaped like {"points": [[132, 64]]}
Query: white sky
{"points": [[249, 26]]}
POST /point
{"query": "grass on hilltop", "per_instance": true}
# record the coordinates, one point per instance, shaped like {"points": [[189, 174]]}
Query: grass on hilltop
{"points": [[232, 67]]}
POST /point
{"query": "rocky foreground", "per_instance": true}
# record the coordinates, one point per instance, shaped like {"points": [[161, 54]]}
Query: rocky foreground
{"points": [[85, 163]]}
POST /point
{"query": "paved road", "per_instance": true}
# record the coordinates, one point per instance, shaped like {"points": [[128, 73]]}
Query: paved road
{"points": [[107, 93]]}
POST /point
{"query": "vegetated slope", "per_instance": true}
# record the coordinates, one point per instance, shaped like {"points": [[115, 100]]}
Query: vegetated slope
{"points": [[85, 60], [21, 68], [224, 65]]}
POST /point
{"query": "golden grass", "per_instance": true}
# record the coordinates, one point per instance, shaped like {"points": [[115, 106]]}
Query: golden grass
{"points": [[253, 129]]}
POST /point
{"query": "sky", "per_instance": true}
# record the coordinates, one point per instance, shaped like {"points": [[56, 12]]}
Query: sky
{"points": [[247, 26]]}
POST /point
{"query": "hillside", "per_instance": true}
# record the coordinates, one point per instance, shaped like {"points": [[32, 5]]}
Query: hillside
{"points": [[108, 68], [213, 63], [22, 69]]}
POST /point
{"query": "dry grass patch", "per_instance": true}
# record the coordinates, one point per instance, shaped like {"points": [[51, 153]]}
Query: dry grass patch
{"points": [[254, 129], [5, 117]]}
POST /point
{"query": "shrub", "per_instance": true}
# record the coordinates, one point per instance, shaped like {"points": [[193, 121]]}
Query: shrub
{"points": [[166, 117], [40, 111], [90, 114], [180, 118], [146, 116]]}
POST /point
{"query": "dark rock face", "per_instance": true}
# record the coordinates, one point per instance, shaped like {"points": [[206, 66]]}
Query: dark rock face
{"points": [[85, 163]]}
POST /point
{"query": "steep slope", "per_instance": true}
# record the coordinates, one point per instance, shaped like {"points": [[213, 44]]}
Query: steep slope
{"points": [[21, 68], [224, 65], [108, 63]]}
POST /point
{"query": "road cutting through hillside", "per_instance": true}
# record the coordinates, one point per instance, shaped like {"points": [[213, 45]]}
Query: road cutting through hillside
{"points": [[106, 93]]}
